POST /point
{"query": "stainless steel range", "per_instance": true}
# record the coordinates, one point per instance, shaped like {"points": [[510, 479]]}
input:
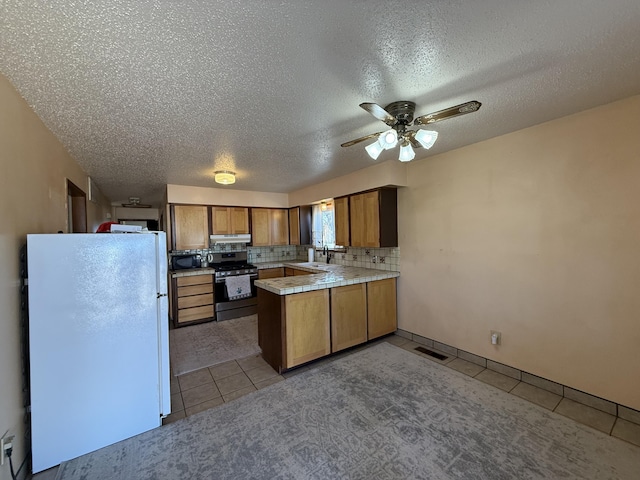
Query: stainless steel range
{"points": [[234, 266]]}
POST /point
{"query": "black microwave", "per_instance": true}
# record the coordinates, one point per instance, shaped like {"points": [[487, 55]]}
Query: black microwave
{"points": [[182, 262]]}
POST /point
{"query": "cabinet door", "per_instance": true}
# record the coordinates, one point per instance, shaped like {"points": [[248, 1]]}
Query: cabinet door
{"points": [[341, 206], [356, 220], [381, 307], [220, 220], [365, 219], [348, 316], [260, 231], [270, 273], [307, 327], [279, 226], [371, 207], [191, 225], [239, 218], [294, 226]]}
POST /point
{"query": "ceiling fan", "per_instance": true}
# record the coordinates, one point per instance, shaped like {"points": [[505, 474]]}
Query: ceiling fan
{"points": [[399, 116]]}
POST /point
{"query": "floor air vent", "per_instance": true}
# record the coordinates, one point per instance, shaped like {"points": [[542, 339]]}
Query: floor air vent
{"points": [[431, 353]]}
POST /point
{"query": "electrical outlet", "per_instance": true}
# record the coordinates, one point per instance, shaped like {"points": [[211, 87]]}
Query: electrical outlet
{"points": [[496, 337], [6, 442]]}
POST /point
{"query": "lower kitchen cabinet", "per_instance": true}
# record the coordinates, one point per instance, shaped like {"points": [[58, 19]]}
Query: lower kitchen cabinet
{"points": [[297, 328], [381, 308], [270, 273], [293, 329], [307, 327], [193, 299], [290, 272], [348, 316]]}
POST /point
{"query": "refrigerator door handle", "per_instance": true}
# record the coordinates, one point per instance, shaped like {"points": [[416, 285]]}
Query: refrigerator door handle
{"points": [[160, 295]]}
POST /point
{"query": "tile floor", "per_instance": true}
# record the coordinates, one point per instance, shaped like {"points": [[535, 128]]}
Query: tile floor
{"points": [[209, 387]]}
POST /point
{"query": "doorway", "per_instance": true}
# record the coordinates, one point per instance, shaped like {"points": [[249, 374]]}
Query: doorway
{"points": [[77, 208]]}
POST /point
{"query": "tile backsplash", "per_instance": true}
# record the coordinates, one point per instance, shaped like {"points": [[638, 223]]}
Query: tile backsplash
{"points": [[282, 253], [376, 258]]}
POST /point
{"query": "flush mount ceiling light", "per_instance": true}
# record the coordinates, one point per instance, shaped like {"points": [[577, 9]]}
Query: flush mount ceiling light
{"points": [[398, 116], [225, 177]]}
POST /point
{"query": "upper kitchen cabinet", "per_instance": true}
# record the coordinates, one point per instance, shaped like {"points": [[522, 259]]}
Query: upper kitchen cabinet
{"points": [[373, 218], [269, 226], [300, 225], [341, 209], [190, 227], [229, 220]]}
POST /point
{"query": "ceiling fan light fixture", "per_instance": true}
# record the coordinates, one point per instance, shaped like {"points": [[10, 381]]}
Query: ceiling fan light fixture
{"points": [[374, 150], [426, 138], [225, 177], [406, 152], [388, 139]]}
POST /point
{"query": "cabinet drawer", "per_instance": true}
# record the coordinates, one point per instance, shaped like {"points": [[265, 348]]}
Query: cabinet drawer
{"points": [[195, 290], [193, 280], [195, 301], [195, 313]]}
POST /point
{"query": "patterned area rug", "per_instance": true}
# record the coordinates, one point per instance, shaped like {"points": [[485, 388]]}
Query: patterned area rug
{"points": [[380, 413], [206, 344]]}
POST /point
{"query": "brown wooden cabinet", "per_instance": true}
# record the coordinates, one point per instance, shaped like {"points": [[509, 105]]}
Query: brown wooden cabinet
{"points": [[270, 273], [341, 211], [290, 272], [190, 227], [348, 316], [293, 329], [300, 225], [373, 218], [269, 226], [229, 220], [306, 327], [381, 308], [193, 299], [301, 327]]}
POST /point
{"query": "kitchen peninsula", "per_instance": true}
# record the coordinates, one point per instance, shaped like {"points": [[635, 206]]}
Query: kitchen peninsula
{"points": [[322, 309]]}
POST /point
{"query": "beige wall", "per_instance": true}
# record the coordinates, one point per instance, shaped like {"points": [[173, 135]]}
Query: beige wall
{"points": [[225, 196], [129, 213], [33, 171], [535, 234], [377, 175]]}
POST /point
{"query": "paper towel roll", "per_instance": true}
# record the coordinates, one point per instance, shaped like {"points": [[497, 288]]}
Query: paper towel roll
{"points": [[311, 255]]}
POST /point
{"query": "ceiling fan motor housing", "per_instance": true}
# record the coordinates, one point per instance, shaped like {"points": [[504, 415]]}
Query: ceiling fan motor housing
{"points": [[402, 110]]}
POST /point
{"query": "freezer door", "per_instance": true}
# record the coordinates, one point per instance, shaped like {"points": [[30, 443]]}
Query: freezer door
{"points": [[93, 332]]}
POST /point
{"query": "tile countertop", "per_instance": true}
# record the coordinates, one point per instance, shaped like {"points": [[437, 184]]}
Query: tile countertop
{"points": [[191, 271], [324, 276]]}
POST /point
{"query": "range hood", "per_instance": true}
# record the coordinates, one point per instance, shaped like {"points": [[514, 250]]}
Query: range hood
{"points": [[231, 238]]}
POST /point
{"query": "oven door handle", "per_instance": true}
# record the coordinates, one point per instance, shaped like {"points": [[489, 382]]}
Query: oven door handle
{"points": [[252, 276]]}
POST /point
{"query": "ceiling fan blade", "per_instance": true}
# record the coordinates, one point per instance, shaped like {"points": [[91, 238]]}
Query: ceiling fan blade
{"points": [[450, 112], [380, 113], [361, 139]]}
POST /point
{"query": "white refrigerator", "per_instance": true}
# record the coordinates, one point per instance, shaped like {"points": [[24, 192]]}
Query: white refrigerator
{"points": [[98, 340]]}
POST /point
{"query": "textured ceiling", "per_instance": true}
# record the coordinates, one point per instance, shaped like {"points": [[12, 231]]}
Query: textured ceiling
{"points": [[148, 93]]}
